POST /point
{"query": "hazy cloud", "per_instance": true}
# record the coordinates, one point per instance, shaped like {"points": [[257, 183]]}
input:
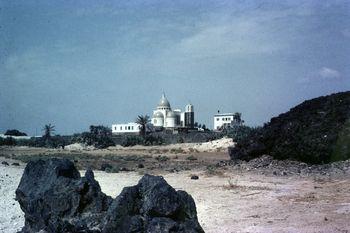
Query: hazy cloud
{"points": [[323, 74], [328, 73]]}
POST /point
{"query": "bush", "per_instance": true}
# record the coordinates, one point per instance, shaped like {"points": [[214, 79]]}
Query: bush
{"points": [[56, 141], [132, 141], [240, 132], [162, 158], [99, 137], [316, 132], [148, 140], [8, 141], [153, 140]]}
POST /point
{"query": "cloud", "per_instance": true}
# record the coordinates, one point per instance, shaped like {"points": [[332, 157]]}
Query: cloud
{"points": [[323, 74], [328, 73]]}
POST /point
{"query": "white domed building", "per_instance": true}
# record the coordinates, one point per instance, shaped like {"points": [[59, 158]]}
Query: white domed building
{"points": [[167, 118]]}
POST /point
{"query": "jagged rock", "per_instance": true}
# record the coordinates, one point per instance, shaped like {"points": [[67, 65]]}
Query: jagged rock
{"points": [[5, 163], [56, 199], [152, 206]]}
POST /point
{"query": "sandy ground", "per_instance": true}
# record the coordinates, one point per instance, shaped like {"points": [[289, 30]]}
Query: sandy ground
{"points": [[235, 201], [218, 145]]}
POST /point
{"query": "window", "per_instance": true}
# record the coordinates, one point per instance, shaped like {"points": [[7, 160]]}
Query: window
{"points": [[223, 119], [128, 127], [121, 127], [217, 119], [132, 127]]}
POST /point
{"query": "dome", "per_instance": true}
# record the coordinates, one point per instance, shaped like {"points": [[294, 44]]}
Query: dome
{"points": [[163, 103], [158, 115], [171, 114]]}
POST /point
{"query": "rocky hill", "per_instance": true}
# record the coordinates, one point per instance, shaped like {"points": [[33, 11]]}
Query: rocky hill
{"points": [[316, 131]]}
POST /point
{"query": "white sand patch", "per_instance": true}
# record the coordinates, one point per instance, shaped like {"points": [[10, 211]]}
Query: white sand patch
{"points": [[78, 147], [11, 215], [218, 145]]}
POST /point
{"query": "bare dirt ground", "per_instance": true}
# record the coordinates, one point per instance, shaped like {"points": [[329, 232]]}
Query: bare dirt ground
{"points": [[229, 198]]}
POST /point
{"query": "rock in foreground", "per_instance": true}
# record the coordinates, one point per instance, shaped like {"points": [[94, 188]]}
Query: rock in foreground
{"points": [[56, 199]]}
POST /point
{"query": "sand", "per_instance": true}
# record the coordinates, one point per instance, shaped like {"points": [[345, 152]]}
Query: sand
{"points": [[212, 146], [231, 202]]}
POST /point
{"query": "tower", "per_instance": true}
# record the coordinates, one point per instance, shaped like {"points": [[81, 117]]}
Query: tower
{"points": [[189, 116]]}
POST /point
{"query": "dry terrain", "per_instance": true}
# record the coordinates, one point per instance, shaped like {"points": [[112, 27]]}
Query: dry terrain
{"points": [[229, 198]]}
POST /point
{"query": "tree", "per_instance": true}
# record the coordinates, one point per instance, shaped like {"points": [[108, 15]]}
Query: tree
{"points": [[143, 120], [238, 118], [48, 130]]}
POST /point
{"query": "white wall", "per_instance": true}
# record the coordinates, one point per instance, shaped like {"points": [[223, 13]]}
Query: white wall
{"points": [[15, 137], [126, 128], [221, 119]]}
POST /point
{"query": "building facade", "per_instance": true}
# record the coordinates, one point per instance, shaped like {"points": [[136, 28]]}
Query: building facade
{"points": [[132, 128], [165, 117], [224, 120]]}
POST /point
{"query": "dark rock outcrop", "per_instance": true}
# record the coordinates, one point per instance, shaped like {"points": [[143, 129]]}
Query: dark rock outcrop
{"points": [[5, 163], [316, 131], [56, 199]]}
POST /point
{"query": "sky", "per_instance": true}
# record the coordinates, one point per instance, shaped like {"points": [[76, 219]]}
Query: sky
{"points": [[79, 63]]}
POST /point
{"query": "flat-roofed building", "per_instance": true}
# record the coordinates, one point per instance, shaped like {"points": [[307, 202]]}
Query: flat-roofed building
{"points": [[224, 120], [132, 128]]}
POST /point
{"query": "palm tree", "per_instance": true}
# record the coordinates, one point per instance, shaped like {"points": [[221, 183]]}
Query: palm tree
{"points": [[143, 120], [48, 129]]}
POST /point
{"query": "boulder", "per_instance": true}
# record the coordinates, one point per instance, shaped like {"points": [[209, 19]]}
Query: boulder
{"points": [[55, 198]]}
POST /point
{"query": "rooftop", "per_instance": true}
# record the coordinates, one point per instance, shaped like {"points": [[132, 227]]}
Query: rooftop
{"points": [[224, 114]]}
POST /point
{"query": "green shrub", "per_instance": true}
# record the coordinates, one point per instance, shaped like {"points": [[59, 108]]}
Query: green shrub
{"points": [[8, 141], [132, 141], [161, 158], [99, 137], [315, 132]]}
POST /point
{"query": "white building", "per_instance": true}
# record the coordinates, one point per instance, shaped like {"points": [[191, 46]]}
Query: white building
{"points": [[163, 117], [167, 118], [132, 128], [223, 120]]}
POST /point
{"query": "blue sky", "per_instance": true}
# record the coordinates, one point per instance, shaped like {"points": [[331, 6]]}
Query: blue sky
{"points": [[77, 63]]}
